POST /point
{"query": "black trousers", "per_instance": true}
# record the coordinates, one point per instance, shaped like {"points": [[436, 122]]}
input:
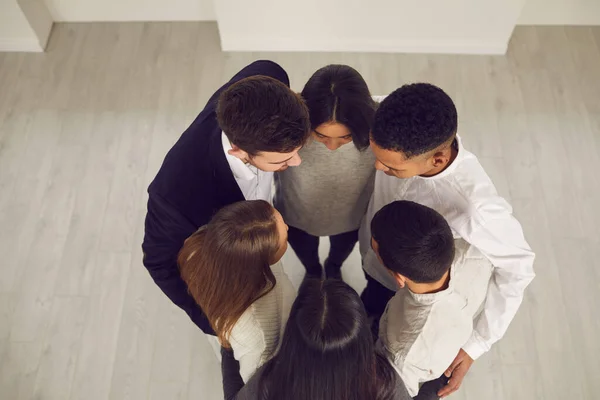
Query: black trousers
{"points": [[230, 371], [306, 247], [375, 297]]}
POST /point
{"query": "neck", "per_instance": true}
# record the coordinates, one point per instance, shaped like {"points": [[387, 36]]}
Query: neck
{"points": [[426, 288]]}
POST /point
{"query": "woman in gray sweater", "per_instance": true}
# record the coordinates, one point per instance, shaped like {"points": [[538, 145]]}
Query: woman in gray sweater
{"points": [[327, 195], [327, 353]]}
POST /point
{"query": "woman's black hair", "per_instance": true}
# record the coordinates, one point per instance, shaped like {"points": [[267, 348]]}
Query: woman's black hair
{"points": [[327, 351], [338, 93]]}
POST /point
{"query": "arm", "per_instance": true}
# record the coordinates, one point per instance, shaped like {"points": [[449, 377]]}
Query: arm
{"points": [[432, 351], [165, 231], [247, 344], [230, 371], [502, 242], [421, 341], [260, 67]]}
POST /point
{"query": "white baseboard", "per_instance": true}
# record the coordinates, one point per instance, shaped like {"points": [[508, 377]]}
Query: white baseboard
{"points": [[131, 10], [29, 45], [253, 43]]}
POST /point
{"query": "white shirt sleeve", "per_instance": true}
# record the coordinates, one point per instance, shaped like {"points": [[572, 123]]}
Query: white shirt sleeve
{"points": [[425, 356], [501, 240]]}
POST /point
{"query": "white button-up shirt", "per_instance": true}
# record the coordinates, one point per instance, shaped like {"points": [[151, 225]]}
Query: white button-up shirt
{"points": [[254, 183], [422, 333], [467, 198]]}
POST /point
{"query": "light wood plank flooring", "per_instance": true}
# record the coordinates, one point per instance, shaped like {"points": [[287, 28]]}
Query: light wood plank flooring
{"points": [[84, 128]]}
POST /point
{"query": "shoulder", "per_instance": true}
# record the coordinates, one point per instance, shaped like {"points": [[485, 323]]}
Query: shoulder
{"points": [[247, 334], [444, 331], [476, 189], [282, 279], [259, 323], [266, 68], [403, 321], [446, 318], [467, 253], [186, 177]]}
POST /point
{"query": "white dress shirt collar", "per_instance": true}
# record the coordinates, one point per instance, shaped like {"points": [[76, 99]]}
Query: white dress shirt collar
{"points": [[239, 169], [430, 298]]}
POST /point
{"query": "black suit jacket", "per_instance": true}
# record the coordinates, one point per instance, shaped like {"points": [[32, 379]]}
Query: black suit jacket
{"points": [[193, 183]]}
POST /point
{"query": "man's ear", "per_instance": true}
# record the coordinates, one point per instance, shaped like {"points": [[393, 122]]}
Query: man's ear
{"points": [[440, 159], [400, 279], [239, 153]]}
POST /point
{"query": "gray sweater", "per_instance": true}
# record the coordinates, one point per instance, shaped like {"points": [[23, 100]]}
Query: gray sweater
{"points": [[250, 390], [329, 192]]}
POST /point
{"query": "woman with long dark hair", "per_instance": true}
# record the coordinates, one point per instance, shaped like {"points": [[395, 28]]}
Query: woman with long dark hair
{"points": [[327, 353], [232, 269], [328, 194]]}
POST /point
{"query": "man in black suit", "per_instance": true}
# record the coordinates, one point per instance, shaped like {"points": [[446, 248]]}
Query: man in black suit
{"points": [[252, 126]]}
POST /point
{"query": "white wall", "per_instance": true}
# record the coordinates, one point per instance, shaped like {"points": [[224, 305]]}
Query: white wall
{"points": [[15, 32], [39, 18], [131, 10], [436, 26], [560, 12]]}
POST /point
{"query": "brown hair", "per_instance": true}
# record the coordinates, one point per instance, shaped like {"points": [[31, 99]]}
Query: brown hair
{"points": [[226, 264], [260, 113]]}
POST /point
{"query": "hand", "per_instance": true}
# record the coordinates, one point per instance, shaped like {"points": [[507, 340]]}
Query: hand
{"points": [[456, 372]]}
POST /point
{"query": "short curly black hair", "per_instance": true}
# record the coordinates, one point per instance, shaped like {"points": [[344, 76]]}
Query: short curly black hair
{"points": [[414, 120]]}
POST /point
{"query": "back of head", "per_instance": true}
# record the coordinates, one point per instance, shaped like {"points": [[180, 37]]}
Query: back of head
{"points": [[327, 352], [338, 93], [413, 240], [261, 114], [232, 254], [414, 120]]}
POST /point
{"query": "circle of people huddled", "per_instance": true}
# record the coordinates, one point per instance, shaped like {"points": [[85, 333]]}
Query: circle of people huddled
{"points": [[446, 262]]}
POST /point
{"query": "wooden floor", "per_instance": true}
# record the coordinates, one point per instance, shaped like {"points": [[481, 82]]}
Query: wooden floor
{"points": [[84, 128]]}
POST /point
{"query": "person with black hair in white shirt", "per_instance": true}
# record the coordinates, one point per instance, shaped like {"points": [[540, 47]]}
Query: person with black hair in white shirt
{"points": [[420, 157], [445, 282]]}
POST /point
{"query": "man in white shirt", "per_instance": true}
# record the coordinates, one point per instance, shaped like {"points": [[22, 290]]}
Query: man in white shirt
{"points": [[420, 158], [426, 323]]}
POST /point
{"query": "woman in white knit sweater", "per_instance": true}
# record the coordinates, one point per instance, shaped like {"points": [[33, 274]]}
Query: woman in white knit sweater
{"points": [[232, 268]]}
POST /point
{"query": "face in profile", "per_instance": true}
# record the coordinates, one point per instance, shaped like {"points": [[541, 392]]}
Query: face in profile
{"points": [[275, 162], [375, 247], [394, 163], [333, 135], [269, 161], [282, 232]]}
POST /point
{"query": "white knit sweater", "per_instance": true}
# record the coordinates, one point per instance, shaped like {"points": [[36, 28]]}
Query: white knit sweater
{"points": [[255, 337]]}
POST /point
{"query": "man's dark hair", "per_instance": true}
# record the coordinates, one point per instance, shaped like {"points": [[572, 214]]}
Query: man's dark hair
{"points": [[338, 93], [415, 119], [260, 113], [414, 241]]}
